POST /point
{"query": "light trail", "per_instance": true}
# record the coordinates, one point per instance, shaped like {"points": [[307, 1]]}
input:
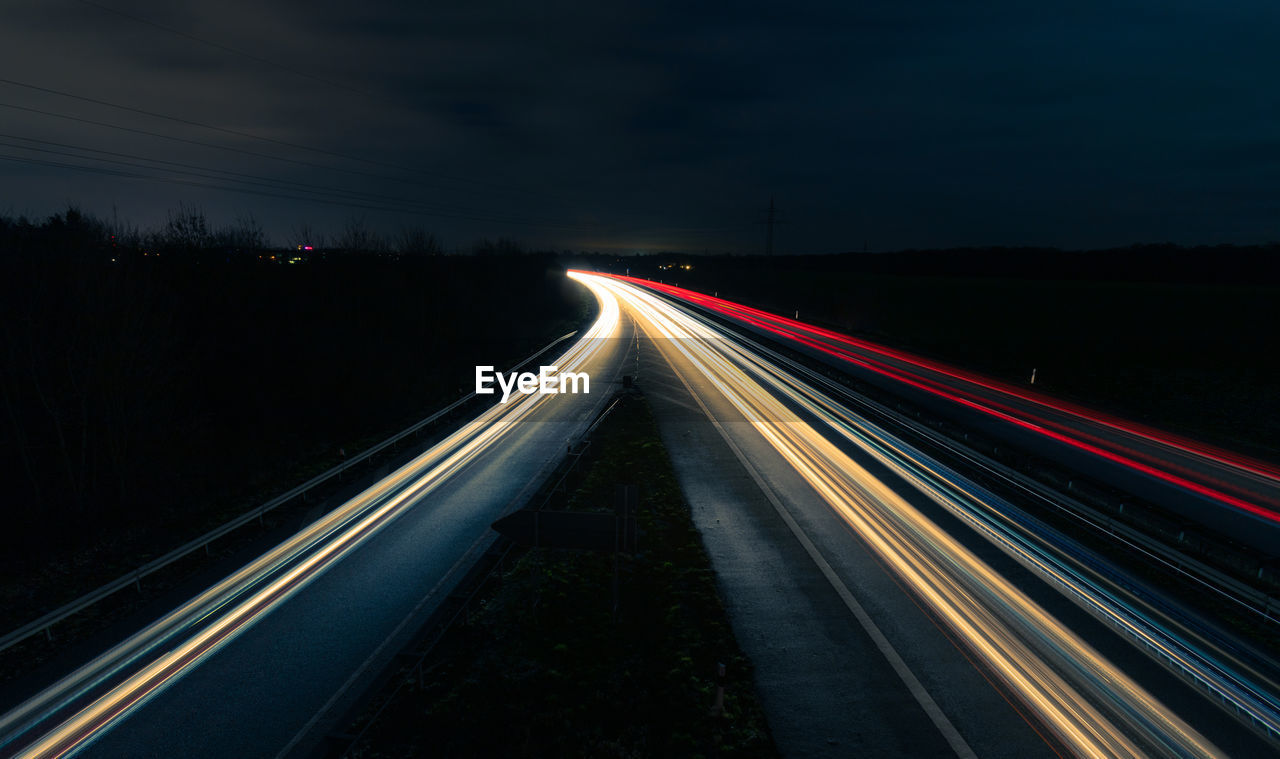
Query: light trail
{"points": [[151, 660], [1243, 483], [1176, 442], [1094, 585], [1091, 705]]}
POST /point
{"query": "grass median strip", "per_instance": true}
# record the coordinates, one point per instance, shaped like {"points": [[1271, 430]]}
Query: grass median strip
{"points": [[542, 666]]}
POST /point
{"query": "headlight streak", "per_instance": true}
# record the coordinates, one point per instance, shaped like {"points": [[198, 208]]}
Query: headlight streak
{"points": [[987, 514], [1252, 699], [1190, 625], [996, 620], [234, 604], [1263, 471], [985, 511], [1243, 469]]}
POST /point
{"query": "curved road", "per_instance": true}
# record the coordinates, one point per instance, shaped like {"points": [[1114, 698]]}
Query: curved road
{"points": [[891, 606], [1237, 495], [261, 663], [1009, 640]]}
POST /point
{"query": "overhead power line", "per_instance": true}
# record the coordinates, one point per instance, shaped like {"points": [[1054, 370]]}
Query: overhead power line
{"points": [[215, 146], [300, 162], [274, 141], [344, 203], [246, 191], [440, 177], [229, 174], [199, 172], [215, 128], [205, 176]]}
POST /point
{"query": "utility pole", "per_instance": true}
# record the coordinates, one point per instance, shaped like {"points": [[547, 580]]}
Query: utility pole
{"points": [[772, 218], [768, 247]]}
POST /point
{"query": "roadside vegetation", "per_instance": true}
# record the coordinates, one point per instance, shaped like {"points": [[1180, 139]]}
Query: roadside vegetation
{"points": [[155, 384]]}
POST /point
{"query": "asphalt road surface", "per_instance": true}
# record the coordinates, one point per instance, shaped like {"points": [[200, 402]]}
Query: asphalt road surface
{"points": [[261, 663], [892, 607], [1236, 495]]}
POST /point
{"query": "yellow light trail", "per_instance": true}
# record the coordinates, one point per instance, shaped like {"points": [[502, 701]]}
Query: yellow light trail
{"points": [[1251, 694], [246, 596], [1018, 640]]}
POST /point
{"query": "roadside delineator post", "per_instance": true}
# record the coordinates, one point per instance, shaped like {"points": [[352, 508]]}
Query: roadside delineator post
{"points": [[717, 709]]}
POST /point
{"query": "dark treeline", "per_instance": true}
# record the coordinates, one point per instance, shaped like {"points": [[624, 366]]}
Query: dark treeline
{"points": [[145, 375], [1161, 262]]}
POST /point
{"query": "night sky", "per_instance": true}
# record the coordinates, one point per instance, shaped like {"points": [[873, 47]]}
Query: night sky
{"points": [[660, 126]]}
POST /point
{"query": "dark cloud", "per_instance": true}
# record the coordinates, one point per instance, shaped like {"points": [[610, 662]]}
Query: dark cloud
{"points": [[642, 125]]}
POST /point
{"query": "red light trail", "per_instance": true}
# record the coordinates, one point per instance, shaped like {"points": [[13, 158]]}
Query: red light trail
{"points": [[1144, 462]]}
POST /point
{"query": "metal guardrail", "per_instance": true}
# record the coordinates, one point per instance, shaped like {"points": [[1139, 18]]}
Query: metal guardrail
{"points": [[492, 563], [1257, 715], [1259, 602], [45, 623]]}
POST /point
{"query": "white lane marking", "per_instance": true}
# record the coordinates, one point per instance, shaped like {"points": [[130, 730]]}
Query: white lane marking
{"points": [[916, 688]]}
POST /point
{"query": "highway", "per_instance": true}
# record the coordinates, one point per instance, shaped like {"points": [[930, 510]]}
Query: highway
{"points": [[1080, 700], [1237, 495], [968, 627], [263, 661]]}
